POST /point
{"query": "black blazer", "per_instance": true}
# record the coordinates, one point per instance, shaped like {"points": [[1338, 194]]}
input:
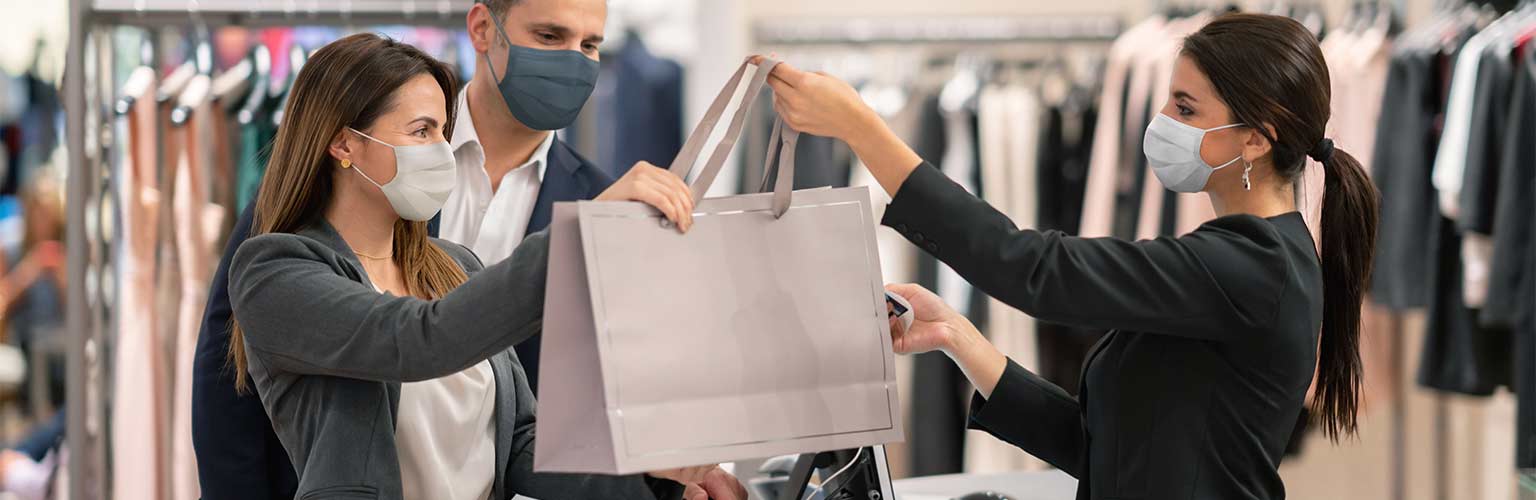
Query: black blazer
{"points": [[238, 454], [1195, 394]]}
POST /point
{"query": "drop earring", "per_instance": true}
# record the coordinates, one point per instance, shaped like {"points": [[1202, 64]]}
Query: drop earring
{"points": [[1247, 167]]}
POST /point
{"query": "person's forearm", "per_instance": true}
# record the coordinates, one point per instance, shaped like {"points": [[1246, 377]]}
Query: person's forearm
{"points": [[982, 363], [886, 156]]}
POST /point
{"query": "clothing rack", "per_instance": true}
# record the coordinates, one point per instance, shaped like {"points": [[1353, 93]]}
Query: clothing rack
{"points": [[88, 460], [1085, 28]]}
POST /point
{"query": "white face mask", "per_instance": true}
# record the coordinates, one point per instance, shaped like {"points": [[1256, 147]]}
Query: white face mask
{"points": [[1173, 151], [424, 176]]}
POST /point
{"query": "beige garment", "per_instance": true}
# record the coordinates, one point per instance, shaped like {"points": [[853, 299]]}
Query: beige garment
{"points": [[137, 419], [197, 223], [1009, 118], [1104, 161]]}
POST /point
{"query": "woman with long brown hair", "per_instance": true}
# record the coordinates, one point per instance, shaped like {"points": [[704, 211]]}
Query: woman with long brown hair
{"points": [[1215, 335], [384, 356]]}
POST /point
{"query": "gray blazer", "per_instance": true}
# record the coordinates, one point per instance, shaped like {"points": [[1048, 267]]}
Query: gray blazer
{"points": [[328, 353]]}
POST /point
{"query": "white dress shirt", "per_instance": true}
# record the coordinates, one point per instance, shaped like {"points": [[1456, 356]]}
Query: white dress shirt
{"points": [[491, 224]]}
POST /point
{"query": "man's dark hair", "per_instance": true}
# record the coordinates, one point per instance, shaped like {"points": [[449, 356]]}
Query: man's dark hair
{"points": [[500, 7]]}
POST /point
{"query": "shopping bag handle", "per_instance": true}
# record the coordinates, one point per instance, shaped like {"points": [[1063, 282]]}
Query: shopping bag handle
{"points": [[689, 154]]}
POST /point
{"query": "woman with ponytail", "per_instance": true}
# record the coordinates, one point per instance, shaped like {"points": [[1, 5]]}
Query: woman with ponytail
{"points": [[1216, 335]]}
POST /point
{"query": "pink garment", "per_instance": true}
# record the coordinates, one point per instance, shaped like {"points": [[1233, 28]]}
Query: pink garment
{"points": [[136, 418], [197, 226], [1191, 209], [1103, 163]]}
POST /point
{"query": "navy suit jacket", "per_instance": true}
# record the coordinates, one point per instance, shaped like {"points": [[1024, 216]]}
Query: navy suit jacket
{"points": [[238, 454]]}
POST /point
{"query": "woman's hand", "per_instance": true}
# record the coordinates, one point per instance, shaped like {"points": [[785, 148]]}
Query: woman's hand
{"points": [[705, 482], [656, 187], [819, 104], [935, 326], [717, 485]]}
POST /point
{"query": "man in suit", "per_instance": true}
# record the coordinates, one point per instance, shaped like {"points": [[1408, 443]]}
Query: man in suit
{"points": [[511, 171]]}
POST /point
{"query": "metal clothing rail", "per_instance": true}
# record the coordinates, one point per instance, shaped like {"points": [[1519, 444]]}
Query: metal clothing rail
{"points": [[877, 30], [276, 12], [88, 464]]}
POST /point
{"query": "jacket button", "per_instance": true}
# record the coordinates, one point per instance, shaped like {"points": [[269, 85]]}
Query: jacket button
{"points": [[918, 238], [901, 228], [932, 247]]}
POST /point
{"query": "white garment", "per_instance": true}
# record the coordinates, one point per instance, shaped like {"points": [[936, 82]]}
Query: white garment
{"points": [[1451, 158], [446, 436], [491, 224], [1009, 120]]}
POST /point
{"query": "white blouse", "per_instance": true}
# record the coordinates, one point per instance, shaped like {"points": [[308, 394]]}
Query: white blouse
{"points": [[446, 436]]}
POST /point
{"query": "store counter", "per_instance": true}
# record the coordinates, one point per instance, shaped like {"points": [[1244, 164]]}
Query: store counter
{"points": [[1043, 485]]}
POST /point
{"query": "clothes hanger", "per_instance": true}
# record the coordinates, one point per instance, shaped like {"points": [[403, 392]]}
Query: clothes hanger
{"points": [[296, 58], [233, 84], [261, 68], [198, 88]]}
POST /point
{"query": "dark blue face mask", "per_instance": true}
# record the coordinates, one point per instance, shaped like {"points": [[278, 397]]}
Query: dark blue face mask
{"points": [[544, 89]]}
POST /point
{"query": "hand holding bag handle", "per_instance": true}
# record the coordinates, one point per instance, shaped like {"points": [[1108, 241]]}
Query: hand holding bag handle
{"points": [[689, 154]]}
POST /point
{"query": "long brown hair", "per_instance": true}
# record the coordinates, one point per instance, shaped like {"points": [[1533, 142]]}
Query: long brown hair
{"points": [[1270, 70], [347, 83]]}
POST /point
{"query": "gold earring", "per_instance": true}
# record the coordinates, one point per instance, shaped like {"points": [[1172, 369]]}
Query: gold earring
{"points": [[345, 164]]}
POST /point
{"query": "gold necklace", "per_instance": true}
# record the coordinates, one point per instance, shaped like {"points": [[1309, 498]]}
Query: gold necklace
{"points": [[366, 256]]}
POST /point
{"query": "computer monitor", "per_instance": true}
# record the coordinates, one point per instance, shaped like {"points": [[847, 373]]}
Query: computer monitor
{"points": [[863, 471]]}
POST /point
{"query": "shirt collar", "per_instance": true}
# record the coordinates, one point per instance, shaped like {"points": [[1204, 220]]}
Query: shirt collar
{"points": [[464, 135]]}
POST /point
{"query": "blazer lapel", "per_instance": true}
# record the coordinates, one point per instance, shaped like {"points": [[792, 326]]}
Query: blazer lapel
{"points": [[563, 181]]}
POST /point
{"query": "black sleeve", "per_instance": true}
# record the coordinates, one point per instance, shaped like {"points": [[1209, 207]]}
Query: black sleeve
{"points": [[1211, 284], [1036, 416], [230, 431], [1515, 202]]}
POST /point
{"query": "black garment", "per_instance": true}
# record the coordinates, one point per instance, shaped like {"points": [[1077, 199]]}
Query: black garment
{"points": [[238, 454], [1406, 140], [1512, 289], [1490, 112], [1510, 292], [639, 108], [1065, 146], [1460, 355], [1197, 394]]}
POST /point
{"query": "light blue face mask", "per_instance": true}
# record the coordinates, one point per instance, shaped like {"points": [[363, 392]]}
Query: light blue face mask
{"points": [[544, 89], [1173, 151]]}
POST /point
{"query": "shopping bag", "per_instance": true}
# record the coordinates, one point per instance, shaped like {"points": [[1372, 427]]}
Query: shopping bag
{"points": [[761, 332]]}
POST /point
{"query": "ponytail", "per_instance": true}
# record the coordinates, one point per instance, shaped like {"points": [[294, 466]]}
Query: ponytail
{"points": [[1350, 217]]}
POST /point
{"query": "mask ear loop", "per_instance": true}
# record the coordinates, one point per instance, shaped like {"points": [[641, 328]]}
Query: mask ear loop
{"points": [[503, 32]]}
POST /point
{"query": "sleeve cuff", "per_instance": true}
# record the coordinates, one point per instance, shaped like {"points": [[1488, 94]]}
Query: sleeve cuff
{"points": [[913, 205], [664, 489], [1005, 402]]}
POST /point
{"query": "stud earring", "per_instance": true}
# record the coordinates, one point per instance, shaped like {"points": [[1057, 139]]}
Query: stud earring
{"points": [[345, 164], [1247, 167]]}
